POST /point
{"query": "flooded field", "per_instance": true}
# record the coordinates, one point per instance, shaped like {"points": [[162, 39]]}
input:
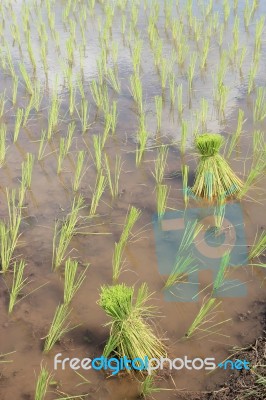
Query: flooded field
{"points": [[101, 104]]}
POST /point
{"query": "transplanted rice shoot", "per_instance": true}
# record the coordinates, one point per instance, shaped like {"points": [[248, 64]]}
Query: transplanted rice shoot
{"points": [[214, 177], [18, 284], [72, 283], [130, 333], [258, 247], [42, 384]]}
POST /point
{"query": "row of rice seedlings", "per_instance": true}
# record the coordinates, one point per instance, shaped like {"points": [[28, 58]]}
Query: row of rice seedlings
{"points": [[142, 138], [160, 164], [59, 327], [214, 177], [100, 185], [236, 135], [113, 182], [259, 113], [79, 171], [26, 171], [3, 144], [205, 319], [64, 234], [72, 283], [117, 260], [129, 316]]}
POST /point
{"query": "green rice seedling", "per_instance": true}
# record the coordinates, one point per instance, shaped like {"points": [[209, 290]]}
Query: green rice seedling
{"points": [[53, 115], [18, 284], [114, 51], [185, 170], [129, 316], [205, 52], [136, 56], [14, 216], [72, 283], [28, 110], [27, 167], [37, 96], [142, 138], [259, 113], [96, 93], [184, 134], [203, 116], [43, 381], [113, 182], [236, 135], [160, 164], [98, 146], [219, 213], [221, 275], [70, 133], [259, 246], [164, 72], [242, 56], [113, 117], [79, 172], [256, 172], [42, 145], [113, 79], [148, 387], [117, 260], [204, 321], [3, 146], [248, 12], [26, 78], [172, 88], [59, 327], [223, 91], [61, 155], [180, 106], [64, 234], [191, 70], [131, 218], [226, 9], [99, 188], [72, 99], [258, 34], [235, 5], [235, 45], [7, 247], [184, 265], [15, 89], [162, 193], [19, 118], [258, 144], [252, 75], [2, 103], [214, 177], [81, 87], [84, 115], [136, 91], [159, 107]]}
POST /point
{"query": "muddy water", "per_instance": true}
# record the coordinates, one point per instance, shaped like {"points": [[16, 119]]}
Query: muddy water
{"points": [[51, 196]]}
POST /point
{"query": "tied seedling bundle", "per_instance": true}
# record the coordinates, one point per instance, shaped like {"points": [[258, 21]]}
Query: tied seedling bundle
{"points": [[214, 177], [130, 333]]}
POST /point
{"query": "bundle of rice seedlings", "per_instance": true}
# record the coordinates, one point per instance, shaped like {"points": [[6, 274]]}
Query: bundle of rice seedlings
{"points": [[130, 334], [214, 177]]}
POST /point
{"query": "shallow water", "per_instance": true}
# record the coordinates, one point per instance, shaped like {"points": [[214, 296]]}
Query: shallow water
{"points": [[51, 195]]}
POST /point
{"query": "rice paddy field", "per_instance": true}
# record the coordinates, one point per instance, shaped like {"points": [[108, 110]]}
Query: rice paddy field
{"points": [[107, 110]]}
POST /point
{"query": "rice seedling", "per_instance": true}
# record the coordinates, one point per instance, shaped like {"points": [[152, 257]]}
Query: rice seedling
{"points": [[158, 106], [258, 144], [43, 381], [258, 34], [222, 272], [227, 10], [3, 146], [100, 185], [160, 164], [185, 170], [136, 91], [14, 89], [129, 316], [2, 103], [117, 260], [131, 218], [26, 78], [113, 182], [242, 56], [42, 145], [172, 88], [37, 96], [256, 172], [162, 193], [70, 133], [28, 110], [214, 177], [72, 282], [252, 75], [19, 117], [7, 247], [59, 327], [219, 213], [113, 79], [164, 72], [72, 99], [204, 321], [191, 70], [64, 233], [148, 387], [205, 52], [259, 246], [18, 284], [184, 135], [79, 172], [142, 138], [180, 106], [14, 215], [136, 56], [184, 265], [236, 135], [98, 146], [259, 113], [248, 13], [26, 168], [53, 115]]}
